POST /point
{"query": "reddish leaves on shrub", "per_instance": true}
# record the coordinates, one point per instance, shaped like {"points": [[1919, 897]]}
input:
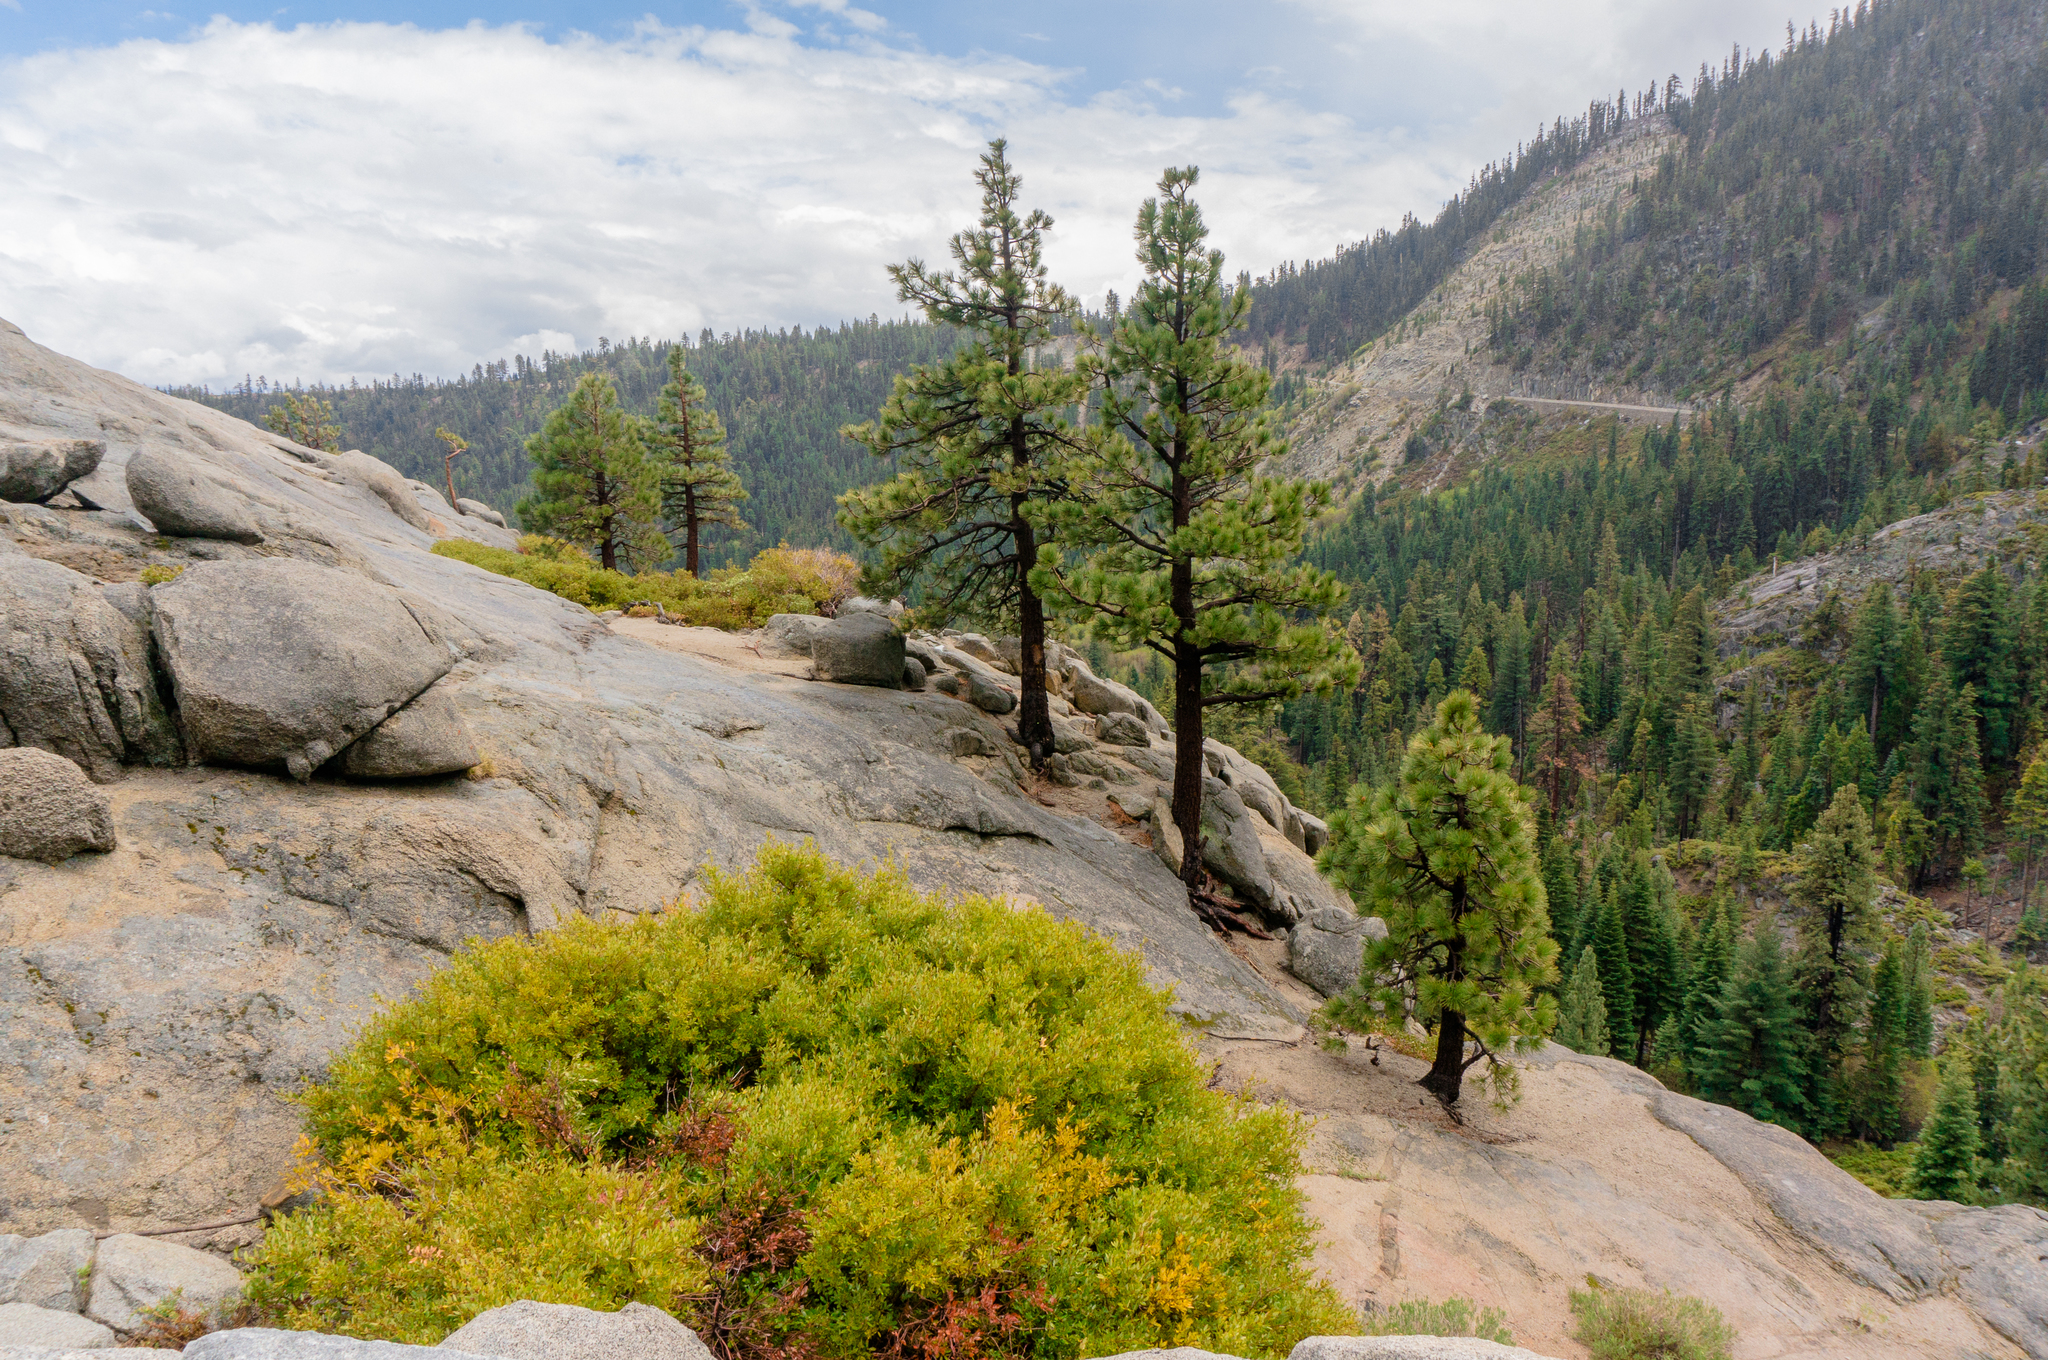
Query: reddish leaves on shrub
{"points": [[751, 1244], [983, 1324]]}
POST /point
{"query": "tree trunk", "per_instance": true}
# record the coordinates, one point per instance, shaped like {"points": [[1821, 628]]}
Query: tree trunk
{"points": [[1189, 763], [1446, 1076], [1034, 711], [690, 531]]}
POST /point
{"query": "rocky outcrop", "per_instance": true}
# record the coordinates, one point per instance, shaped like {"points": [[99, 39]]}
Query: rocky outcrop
{"points": [[1327, 948], [26, 1325], [277, 662], [383, 481], [478, 510], [49, 1271], [35, 470], [2000, 1258], [49, 810], [860, 648], [181, 498], [426, 737], [545, 1331], [131, 1276], [75, 672], [1122, 729]]}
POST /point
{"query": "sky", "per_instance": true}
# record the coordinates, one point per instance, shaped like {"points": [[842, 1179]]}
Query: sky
{"points": [[338, 189]]}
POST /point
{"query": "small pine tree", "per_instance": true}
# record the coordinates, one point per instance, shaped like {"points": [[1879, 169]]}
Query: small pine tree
{"points": [[592, 482], [1610, 945], [306, 420], [1880, 1089], [1752, 1061], [1475, 674], [1446, 858], [1582, 1018], [699, 484], [1945, 1166]]}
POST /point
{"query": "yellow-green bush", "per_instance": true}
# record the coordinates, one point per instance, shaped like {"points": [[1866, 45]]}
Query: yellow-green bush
{"points": [[820, 1114], [782, 580], [1648, 1324]]}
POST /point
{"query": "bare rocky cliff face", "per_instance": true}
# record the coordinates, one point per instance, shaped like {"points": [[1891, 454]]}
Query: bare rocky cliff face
{"points": [[329, 758]]}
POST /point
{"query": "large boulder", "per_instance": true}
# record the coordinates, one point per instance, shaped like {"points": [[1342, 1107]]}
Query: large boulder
{"points": [[544, 1331], [49, 810], [267, 1343], [1326, 949], [1122, 729], [426, 737], [35, 470], [988, 696], [381, 480], [478, 510], [1090, 693], [859, 649], [283, 662], [1231, 849], [132, 1275], [47, 1271], [24, 1324], [180, 499], [791, 634], [75, 675]]}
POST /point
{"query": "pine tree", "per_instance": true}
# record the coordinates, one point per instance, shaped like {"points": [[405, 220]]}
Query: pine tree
{"points": [[977, 436], [1880, 1080], [1556, 742], [1475, 675], [1561, 888], [1610, 945], [1837, 875], [699, 484], [1874, 667], [1510, 693], [1713, 965], [592, 481], [1751, 1059], [2028, 815], [1979, 640], [1445, 857], [1948, 776], [307, 420], [1945, 1165], [1186, 548], [1582, 1016]]}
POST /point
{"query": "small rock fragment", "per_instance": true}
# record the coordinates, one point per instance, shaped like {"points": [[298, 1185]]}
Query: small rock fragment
{"points": [[49, 810]]}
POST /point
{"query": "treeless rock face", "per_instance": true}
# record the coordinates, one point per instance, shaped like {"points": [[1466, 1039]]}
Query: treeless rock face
{"points": [[1600, 1172]]}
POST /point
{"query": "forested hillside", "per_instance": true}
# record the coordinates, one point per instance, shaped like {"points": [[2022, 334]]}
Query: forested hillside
{"points": [[782, 394]]}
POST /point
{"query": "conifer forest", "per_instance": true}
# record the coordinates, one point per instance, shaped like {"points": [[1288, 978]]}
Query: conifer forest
{"points": [[1764, 681]]}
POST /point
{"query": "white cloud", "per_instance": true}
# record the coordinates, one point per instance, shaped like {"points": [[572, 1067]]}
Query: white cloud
{"points": [[361, 199]]}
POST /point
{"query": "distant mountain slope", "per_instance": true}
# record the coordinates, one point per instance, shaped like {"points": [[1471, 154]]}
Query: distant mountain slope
{"points": [[1861, 198]]}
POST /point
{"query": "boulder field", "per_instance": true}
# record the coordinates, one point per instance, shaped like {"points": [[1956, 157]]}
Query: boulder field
{"points": [[275, 760]]}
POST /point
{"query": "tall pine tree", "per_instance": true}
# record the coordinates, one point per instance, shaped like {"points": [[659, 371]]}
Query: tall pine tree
{"points": [[699, 484], [976, 438], [1186, 548], [592, 481]]}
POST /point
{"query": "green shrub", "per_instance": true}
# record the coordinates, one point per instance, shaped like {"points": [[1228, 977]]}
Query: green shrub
{"points": [[782, 580], [1645, 1324], [818, 1114], [1883, 1171], [1452, 1317]]}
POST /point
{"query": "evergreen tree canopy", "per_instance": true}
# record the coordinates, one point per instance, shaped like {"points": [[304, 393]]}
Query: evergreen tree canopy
{"points": [[1582, 1016], [1751, 1059], [977, 438], [1446, 857], [592, 481], [699, 484], [1182, 545], [1945, 1164]]}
